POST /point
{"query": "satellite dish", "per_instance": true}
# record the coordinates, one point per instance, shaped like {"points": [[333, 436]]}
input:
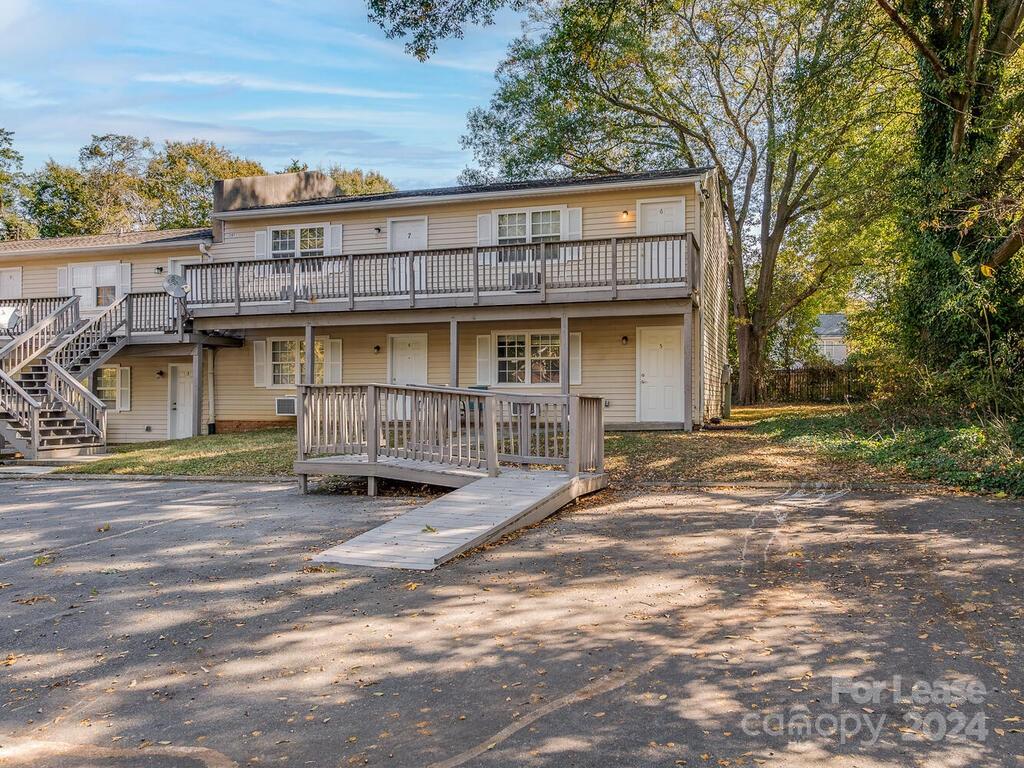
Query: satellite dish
{"points": [[9, 318], [175, 286]]}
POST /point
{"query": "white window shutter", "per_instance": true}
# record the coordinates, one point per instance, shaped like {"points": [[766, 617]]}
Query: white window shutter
{"points": [[124, 389], [261, 245], [332, 362], [483, 360], [336, 233], [575, 358], [124, 285], [63, 284], [483, 229], [259, 364], [574, 229]]}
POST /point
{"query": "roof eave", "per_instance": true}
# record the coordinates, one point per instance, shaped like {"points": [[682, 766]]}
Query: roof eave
{"points": [[409, 202], [109, 248]]}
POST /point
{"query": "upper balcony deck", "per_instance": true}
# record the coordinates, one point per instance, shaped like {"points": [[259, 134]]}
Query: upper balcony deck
{"points": [[626, 268]]}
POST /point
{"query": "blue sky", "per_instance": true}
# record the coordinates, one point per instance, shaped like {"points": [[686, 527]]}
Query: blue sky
{"points": [[306, 79]]}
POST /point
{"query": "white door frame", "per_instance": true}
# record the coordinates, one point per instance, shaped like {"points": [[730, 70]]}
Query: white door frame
{"points": [[682, 361], [426, 349], [21, 286], [172, 383], [426, 229]]}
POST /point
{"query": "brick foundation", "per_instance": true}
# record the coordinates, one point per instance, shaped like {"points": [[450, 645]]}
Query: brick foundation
{"points": [[249, 426]]}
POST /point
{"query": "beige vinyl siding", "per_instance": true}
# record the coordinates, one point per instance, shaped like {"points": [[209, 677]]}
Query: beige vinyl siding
{"points": [[714, 308], [39, 275], [148, 403], [454, 225], [608, 366]]}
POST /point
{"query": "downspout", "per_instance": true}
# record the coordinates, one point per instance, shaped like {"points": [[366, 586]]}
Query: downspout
{"points": [[211, 418]]}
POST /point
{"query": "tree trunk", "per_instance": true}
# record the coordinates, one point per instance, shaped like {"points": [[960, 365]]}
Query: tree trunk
{"points": [[748, 347]]}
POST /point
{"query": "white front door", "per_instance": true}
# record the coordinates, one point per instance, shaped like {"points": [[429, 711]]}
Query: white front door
{"points": [[10, 283], [661, 260], [407, 365], [407, 235], [660, 374], [179, 400], [408, 358]]}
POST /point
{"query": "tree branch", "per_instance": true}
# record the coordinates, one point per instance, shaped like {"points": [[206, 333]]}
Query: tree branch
{"points": [[913, 37]]}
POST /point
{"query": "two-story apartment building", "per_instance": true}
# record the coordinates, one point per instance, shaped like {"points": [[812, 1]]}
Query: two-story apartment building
{"points": [[612, 286]]}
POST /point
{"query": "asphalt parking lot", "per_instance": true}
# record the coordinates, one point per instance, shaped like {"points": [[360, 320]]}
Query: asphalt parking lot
{"points": [[181, 624]]}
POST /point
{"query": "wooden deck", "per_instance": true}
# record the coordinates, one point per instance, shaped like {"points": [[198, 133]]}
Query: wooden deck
{"points": [[482, 510]]}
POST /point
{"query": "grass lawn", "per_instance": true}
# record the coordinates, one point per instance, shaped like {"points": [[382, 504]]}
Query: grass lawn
{"points": [[245, 454], [793, 443]]}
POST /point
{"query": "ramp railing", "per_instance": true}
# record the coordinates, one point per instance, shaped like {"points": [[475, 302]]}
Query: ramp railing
{"points": [[452, 427]]}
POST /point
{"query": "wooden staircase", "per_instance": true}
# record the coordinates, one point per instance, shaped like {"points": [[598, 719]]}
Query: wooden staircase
{"points": [[45, 412]]}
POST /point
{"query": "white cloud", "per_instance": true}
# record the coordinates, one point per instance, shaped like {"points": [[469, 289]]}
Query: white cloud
{"points": [[14, 95], [219, 80]]}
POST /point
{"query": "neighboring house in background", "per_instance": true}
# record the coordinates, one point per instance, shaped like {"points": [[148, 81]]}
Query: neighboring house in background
{"points": [[830, 337], [612, 286]]}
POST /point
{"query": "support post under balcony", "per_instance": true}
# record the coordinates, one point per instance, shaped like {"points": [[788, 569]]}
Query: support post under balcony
{"points": [[310, 352], [563, 354], [197, 390], [453, 352]]}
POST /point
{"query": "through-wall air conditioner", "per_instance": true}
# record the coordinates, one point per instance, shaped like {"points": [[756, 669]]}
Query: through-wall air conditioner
{"points": [[525, 281], [284, 406]]}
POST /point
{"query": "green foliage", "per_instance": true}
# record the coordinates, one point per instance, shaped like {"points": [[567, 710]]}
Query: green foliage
{"points": [[60, 202], [13, 225], [356, 181], [180, 177], [976, 455], [962, 300], [123, 183]]}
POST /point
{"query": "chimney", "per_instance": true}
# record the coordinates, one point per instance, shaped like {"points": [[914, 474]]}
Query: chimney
{"points": [[257, 191]]}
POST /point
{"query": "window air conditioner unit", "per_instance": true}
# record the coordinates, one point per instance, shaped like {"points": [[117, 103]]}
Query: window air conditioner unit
{"points": [[284, 406], [525, 281]]}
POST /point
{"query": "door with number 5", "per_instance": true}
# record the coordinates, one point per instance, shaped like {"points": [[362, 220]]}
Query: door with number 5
{"points": [[659, 373]]}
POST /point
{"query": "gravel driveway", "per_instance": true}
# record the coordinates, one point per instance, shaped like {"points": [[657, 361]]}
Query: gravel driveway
{"points": [[180, 624]]}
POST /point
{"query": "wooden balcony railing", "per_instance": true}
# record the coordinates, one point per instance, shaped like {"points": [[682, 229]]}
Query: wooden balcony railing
{"points": [[608, 265], [31, 312], [449, 426]]}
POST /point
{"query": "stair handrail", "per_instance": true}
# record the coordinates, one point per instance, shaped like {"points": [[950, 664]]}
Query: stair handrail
{"points": [[21, 405], [79, 344], [27, 346], [70, 393]]}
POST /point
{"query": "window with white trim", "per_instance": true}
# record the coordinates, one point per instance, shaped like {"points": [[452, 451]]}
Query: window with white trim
{"points": [[105, 385], [541, 225], [286, 242], [528, 358], [288, 362]]}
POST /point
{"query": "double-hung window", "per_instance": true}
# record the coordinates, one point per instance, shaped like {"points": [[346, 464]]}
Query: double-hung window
{"points": [[286, 242], [543, 225], [288, 362], [528, 358], [105, 385]]}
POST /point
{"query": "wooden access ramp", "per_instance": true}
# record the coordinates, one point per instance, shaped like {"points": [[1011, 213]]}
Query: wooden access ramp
{"points": [[478, 513], [513, 459]]}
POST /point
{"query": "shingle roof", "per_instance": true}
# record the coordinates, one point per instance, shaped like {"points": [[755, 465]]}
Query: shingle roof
{"points": [[160, 237], [505, 186], [831, 325]]}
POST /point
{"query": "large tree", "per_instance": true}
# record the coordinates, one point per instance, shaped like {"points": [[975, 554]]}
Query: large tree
{"points": [[964, 222], [179, 180], [781, 97], [13, 225]]}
